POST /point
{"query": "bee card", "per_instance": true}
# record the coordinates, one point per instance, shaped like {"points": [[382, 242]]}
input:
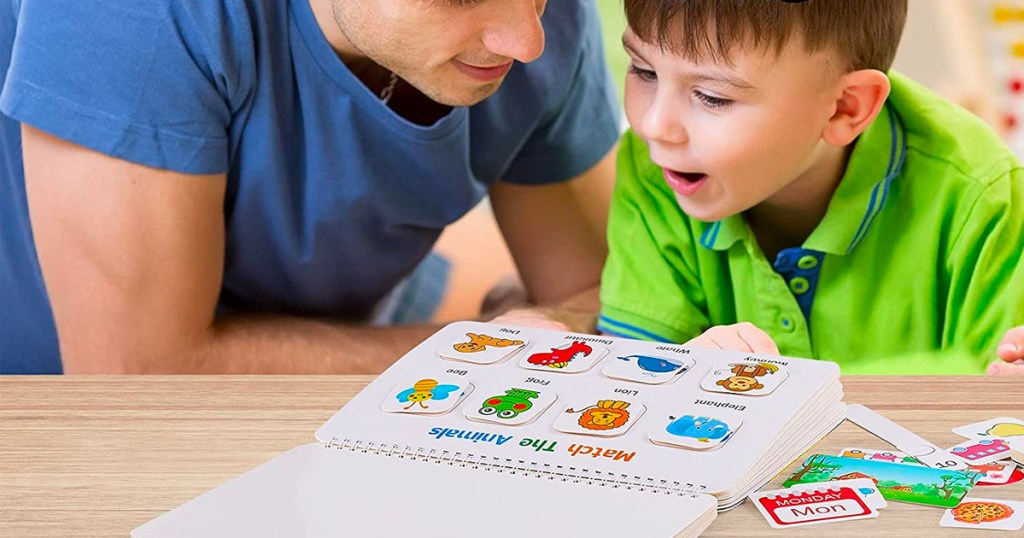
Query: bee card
{"points": [[650, 369], [509, 405], [568, 355], [992, 514], [747, 378], [483, 347], [427, 396]]}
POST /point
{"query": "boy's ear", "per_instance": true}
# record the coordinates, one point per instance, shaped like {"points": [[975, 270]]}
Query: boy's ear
{"points": [[863, 94]]}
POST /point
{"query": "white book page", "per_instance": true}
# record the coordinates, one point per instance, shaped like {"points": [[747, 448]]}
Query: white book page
{"points": [[628, 456], [314, 491]]}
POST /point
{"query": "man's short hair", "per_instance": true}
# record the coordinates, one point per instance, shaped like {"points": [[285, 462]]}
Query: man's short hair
{"points": [[863, 33]]}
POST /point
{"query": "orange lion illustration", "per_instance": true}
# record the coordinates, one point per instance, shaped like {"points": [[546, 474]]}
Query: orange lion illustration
{"points": [[605, 415]]}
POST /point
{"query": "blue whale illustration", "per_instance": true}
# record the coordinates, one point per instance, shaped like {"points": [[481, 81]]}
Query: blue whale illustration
{"points": [[658, 365]]}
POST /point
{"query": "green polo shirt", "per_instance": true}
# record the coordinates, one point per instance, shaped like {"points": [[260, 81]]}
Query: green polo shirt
{"points": [[917, 266]]}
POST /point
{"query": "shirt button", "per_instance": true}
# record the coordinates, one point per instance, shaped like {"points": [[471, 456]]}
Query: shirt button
{"points": [[807, 262], [787, 324], [799, 285]]}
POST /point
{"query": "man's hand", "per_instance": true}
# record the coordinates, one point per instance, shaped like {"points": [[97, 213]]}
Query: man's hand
{"points": [[743, 337], [577, 314], [1011, 351]]}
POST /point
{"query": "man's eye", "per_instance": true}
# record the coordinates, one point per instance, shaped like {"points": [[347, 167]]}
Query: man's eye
{"points": [[643, 74], [711, 101]]}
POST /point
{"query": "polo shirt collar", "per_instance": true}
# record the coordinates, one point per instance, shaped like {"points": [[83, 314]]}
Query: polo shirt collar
{"points": [[858, 199]]}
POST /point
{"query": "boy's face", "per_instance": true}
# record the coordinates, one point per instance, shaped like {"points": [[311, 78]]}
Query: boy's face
{"points": [[456, 52], [731, 136]]}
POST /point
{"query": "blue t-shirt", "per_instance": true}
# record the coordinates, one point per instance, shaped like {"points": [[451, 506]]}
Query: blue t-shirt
{"points": [[331, 197]]}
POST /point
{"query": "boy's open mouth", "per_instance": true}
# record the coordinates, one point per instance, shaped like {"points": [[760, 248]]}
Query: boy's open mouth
{"points": [[685, 183]]}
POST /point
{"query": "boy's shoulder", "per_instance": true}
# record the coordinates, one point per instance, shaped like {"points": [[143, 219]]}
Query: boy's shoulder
{"points": [[944, 137]]}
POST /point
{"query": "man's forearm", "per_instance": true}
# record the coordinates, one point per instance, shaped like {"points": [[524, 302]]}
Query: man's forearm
{"points": [[285, 345]]}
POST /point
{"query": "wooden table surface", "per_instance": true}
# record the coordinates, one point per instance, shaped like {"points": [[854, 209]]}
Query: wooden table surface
{"points": [[97, 456]]}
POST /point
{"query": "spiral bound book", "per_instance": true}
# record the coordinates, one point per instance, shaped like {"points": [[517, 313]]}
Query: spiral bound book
{"points": [[506, 431]]}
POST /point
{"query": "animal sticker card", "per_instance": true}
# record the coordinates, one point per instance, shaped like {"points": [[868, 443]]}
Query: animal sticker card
{"points": [[427, 396], [509, 405], [747, 378], [896, 481], [695, 431], [785, 508], [650, 369], [483, 348], [599, 417], [992, 514], [568, 355]]}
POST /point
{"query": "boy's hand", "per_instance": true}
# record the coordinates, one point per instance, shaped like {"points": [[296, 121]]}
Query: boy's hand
{"points": [[1011, 351], [743, 337]]}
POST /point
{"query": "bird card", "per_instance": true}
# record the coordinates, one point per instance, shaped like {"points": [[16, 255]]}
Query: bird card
{"points": [[483, 348], [896, 481], [427, 396], [991, 514], [509, 405], [599, 417], [650, 369], [747, 378], [568, 355], [785, 508], [694, 431], [891, 456], [979, 451], [865, 486], [1007, 428]]}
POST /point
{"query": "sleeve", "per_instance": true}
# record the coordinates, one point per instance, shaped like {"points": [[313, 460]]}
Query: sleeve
{"points": [[650, 287], [584, 125], [152, 82], [986, 268]]}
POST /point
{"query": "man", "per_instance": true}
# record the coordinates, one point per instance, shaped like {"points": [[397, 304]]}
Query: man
{"points": [[235, 186]]}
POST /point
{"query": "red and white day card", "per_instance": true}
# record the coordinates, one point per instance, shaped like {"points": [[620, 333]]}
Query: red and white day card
{"points": [[784, 508]]}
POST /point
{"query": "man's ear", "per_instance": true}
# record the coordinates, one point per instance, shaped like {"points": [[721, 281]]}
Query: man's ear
{"points": [[863, 94]]}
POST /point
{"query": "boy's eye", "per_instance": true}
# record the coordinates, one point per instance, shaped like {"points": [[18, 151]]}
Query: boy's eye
{"points": [[711, 101], [644, 74]]}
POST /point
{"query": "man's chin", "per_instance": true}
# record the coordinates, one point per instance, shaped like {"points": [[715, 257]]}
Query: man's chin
{"points": [[460, 97]]}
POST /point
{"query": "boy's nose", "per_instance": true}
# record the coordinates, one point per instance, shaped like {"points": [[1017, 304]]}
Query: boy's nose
{"points": [[519, 34], [663, 121]]}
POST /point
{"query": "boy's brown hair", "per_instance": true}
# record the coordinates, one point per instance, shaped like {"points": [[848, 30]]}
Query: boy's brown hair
{"points": [[863, 33]]}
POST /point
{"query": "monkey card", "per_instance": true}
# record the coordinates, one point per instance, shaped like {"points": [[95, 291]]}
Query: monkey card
{"points": [[746, 378]]}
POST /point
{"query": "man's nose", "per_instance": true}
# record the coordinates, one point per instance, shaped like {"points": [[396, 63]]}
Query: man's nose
{"points": [[518, 34]]}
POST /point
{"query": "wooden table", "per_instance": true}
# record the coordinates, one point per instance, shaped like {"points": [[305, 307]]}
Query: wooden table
{"points": [[98, 456]]}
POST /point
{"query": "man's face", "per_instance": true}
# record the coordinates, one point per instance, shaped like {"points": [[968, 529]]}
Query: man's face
{"points": [[730, 136], [456, 52]]}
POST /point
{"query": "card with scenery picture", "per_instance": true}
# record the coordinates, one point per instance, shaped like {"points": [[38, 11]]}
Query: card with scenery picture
{"points": [[991, 514], [896, 481]]}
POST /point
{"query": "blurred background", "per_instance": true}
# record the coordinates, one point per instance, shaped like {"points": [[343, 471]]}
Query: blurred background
{"points": [[969, 51]]}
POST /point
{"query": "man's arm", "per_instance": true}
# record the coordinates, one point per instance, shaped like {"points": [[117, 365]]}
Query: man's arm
{"points": [[556, 234], [133, 258]]}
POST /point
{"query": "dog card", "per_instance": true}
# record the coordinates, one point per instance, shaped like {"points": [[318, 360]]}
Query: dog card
{"points": [[747, 378], [785, 508], [483, 348], [975, 513], [865, 486], [896, 481]]}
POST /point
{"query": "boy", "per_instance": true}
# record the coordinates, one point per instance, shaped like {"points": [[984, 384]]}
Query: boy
{"points": [[781, 188]]}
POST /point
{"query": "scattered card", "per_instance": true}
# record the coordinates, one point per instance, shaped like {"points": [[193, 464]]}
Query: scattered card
{"points": [[978, 451], [747, 378], [891, 456], [865, 486], [785, 508], [992, 514], [995, 473], [896, 481], [648, 369], [1003, 427]]}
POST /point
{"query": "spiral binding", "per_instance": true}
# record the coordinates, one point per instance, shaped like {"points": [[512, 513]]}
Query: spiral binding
{"points": [[530, 469]]}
